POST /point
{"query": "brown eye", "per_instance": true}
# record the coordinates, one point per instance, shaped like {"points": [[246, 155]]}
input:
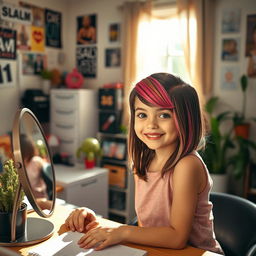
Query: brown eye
{"points": [[165, 115]]}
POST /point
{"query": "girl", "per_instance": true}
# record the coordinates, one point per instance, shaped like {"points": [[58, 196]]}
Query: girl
{"points": [[172, 184]]}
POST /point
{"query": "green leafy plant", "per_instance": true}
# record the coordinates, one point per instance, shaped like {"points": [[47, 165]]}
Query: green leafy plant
{"points": [[90, 148], [46, 74], [215, 154], [9, 182], [242, 156]]}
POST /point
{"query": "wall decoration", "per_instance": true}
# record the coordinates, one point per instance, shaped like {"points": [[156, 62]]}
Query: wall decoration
{"points": [[53, 28], [230, 21], [114, 32], [251, 45], [7, 43], [113, 57], [7, 73], [37, 39], [86, 60], [229, 78], [14, 13], [23, 36], [87, 29], [114, 148], [37, 14], [230, 49], [33, 64]]}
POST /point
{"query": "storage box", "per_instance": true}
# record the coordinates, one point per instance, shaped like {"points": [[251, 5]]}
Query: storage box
{"points": [[117, 175], [110, 99], [110, 121]]}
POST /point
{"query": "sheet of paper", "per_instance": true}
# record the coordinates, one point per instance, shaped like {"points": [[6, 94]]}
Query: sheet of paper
{"points": [[66, 245]]}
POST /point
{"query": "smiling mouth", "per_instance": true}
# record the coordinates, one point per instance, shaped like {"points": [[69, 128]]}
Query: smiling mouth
{"points": [[153, 136]]}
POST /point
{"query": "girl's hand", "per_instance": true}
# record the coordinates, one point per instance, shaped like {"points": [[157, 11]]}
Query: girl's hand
{"points": [[101, 238], [81, 219]]}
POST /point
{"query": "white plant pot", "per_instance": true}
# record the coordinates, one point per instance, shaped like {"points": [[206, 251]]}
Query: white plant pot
{"points": [[46, 84], [220, 183]]}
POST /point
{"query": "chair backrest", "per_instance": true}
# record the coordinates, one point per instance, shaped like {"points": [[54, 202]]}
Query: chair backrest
{"points": [[234, 223]]}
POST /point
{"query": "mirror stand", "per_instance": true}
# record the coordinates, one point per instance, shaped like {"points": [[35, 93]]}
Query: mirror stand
{"points": [[32, 233]]}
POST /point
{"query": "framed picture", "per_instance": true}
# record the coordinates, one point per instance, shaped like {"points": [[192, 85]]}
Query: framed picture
{"points": [[86, 29], [230, 22], [114, 148], [230, 49], [113, 57], [114, 32]]}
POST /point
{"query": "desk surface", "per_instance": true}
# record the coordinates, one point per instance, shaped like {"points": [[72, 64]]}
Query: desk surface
{"points": [[61, 212]]}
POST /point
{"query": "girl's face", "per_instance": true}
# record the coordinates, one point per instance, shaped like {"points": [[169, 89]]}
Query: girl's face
{"points": [[155, 127]]}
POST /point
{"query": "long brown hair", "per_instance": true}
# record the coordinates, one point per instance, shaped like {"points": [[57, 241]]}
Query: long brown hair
{"points": [[188, 121]]}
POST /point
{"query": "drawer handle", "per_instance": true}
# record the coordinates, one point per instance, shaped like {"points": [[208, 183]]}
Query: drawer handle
{"points": [[65, 126], [113, 171], [89, 183], [66, 97], [67, 141], [64, 112]]}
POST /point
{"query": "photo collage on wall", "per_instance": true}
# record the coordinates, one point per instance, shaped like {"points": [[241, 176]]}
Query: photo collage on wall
{"points": [[231, 52], [25, 31], [113, 54], [86, 45], [230, 48]]}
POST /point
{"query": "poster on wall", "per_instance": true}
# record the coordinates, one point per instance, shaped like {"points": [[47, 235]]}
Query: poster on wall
{"points": [[86, 29], [7, 44], [32, 64], [37, 39], [230, 21], [114, 32], [251, 45], [230, 49], [53, 28], [37, 14], [23, 37], [113, 57], [229, 78], [13, 13], [86, 60], [8, 73]]}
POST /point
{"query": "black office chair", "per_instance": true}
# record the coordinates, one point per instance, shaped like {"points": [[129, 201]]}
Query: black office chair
{"points": [[234, 224]]}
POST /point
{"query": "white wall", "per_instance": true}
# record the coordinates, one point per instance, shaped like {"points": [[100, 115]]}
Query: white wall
{"points": [[107, 12], [10, 97], [233, 98]]}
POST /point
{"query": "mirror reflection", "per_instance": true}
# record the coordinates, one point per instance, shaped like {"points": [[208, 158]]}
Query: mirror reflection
{"points": [[37, 163]]}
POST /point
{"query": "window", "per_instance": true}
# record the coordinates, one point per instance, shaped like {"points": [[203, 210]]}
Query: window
{"points": [[160, 48]]}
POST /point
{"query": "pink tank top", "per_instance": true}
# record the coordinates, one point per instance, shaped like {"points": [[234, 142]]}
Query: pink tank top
{"points": [[153, 201]]}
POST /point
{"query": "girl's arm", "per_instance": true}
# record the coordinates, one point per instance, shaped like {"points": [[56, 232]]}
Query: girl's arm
{"points": [[188, 180]]}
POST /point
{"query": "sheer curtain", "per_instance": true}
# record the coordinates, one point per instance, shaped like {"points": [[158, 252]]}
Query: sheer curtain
{"points": [[134, 12], [197, 28]]}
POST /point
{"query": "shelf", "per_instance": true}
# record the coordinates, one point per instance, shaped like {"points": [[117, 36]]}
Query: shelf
{"points": [[117, 212], [118, 189], [114, 161]]}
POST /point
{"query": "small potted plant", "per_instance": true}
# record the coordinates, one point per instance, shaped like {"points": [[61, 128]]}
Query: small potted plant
{"points": [[46, 75], [241, 125], [218, 143], [9, 182], [91, 149]]}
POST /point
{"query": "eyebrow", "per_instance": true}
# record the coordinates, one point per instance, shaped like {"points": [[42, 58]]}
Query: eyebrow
{"points": [[159, 109]]}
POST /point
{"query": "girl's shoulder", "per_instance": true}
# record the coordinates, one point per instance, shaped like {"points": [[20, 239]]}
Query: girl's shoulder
{"points": [[190, 164]]}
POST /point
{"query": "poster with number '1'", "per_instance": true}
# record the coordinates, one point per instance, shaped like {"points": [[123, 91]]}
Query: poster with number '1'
{"points": [[7, 73]]}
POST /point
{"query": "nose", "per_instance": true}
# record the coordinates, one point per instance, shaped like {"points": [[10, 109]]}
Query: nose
{"points": [[152, 123]]}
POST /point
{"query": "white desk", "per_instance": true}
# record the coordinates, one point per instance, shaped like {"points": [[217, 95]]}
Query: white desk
{"points": [[84, 187]]}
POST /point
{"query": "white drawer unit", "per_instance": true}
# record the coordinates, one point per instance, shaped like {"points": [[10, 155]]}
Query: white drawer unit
{"points": [[74, 117], [84, 187]]}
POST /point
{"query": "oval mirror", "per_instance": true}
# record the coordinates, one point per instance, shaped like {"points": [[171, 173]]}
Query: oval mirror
{"points": [[32, 155]]}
